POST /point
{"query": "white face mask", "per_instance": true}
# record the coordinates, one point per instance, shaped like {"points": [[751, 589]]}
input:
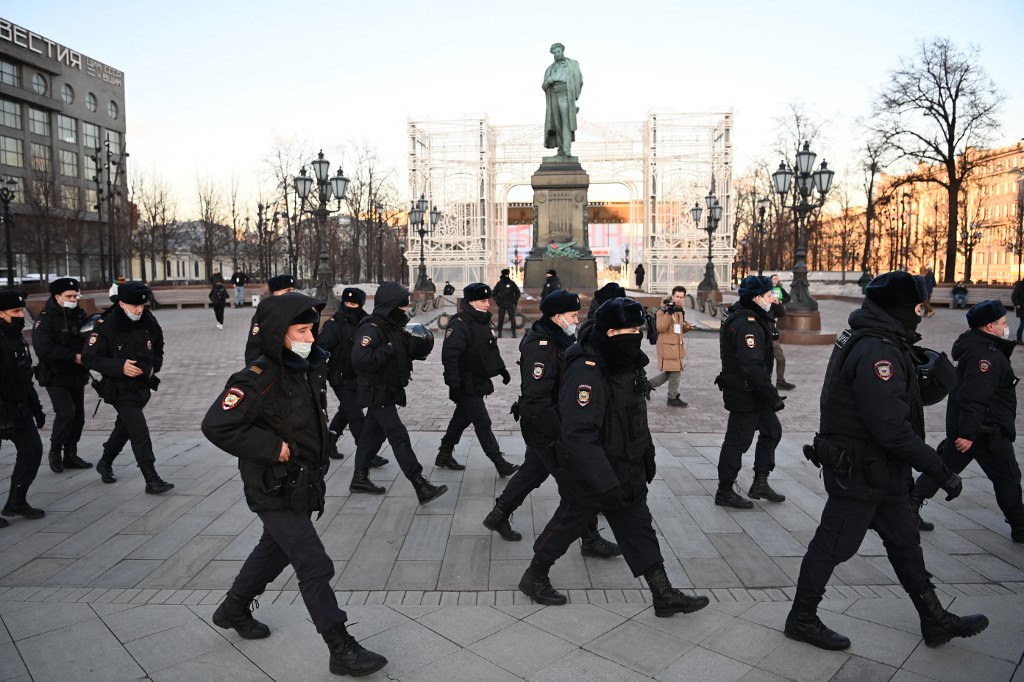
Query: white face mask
{"points": [[570, 328], [302, 349], [133, 318], [1006, 333], [70, 305], [766, 304]]}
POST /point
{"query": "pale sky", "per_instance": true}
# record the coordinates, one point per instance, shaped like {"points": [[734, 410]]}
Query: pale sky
{"points": [[210, 84]]}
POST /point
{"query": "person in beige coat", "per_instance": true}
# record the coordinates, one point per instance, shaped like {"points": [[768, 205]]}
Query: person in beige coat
{"points": [[671, 324]]}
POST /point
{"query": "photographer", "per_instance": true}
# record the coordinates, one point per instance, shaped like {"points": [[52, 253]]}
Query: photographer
{"points": [[671, 324]]}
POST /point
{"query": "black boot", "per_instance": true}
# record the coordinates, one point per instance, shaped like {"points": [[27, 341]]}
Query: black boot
{"points": [[938, 625], [56, 463], [498, 521], [504, 467], [593, 545], [72, 460], [361, 483], [803, 625], [348, 657], [536, 585], [236, 612], [760, 488], [1016, 528], [105, 468], [667, 599], [376, 462], [727, 497], [333, 452], [916, 502], [425, 490], [154, 484], [445, 460], [17, 505], [3, 523]]}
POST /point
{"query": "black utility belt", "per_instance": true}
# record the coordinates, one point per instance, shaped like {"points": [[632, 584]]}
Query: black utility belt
{"points": [[847, 458]]}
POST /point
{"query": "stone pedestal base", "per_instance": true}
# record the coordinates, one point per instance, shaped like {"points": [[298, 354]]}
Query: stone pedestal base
{"points": [[713, 295], [804, 329], [577, 274]]}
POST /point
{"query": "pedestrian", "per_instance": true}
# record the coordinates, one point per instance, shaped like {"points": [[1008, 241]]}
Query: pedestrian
{"points": [[745, 345], [21, 413], [980, 415], [112, 292], [606, 293], [127, 348], [238, 280], [640, 275], [959, 294], [551, 283], [58, 342], [383, 358], [1017, 299], [929, 283], [870, 435], [540, 368], [272, 417], [506, 295], [449, 289], [278, 285], [671, 325], [218, 298], [216, 277], [471, 358], [778, 310], [605, 458]]}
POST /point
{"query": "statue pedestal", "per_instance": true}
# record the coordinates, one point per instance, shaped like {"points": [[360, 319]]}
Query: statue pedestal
{"points": [[560, 226], [804, 329]]}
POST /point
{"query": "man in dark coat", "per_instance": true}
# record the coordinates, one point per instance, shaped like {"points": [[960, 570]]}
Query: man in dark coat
{"points": [[640, 273], [506, 294], [980, 415], [238, 280], [551, 283], [218, 299], [606, 293], [278, 285], [1017, 299], [58, 342], [871, 434], [272, 416]]}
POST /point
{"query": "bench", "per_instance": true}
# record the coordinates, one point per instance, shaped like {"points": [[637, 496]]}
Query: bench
{"points": [[943, 295]]}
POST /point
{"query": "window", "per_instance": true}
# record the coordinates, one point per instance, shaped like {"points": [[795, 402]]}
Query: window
{"points": [[38, 84], [67, 129], [92, 199], [90, 102], [67, 93], [42, 157], [39, 121], [68, 163], [69, 197], [10, 114], [90, 135], [112, 109], [114, 138], [90, 167], [11, 152], [9, 74]]}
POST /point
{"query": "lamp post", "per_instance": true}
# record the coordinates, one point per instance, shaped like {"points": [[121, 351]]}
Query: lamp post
{"points": [[417, 221], [379, 208], [762, 206], [969, 238], [625, 266], [515, 258], [1018, 243], [326, 185], [807, 181], [7, 194], [709, 284]]}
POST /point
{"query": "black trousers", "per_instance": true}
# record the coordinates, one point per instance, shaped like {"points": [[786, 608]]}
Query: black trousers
{"points": [[509, 310], [739, 434], [383, 423], [997, 460], [130, 426], [290, 538], [534, 471], [471, 410], [218, 312], [69, 414], [844, 523], [28, 446], [349, 413], [632, 526]]}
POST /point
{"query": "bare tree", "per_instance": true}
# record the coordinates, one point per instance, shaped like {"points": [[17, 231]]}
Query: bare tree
{"points": [[44, 217], [208, 237]]}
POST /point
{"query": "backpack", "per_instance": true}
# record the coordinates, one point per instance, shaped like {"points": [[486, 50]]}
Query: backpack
{"points": [[652, 327]]}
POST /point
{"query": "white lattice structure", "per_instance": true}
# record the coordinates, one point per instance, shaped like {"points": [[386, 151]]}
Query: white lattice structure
{"points": [[468, 168]]}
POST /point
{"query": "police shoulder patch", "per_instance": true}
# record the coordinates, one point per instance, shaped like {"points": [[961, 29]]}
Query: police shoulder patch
{"points": [[883, 370], [538, 370], [232, 398], [92, 338], [448, 333], [365, 341], [984, 365], [583, 395], [749, 340], [255, 329]]}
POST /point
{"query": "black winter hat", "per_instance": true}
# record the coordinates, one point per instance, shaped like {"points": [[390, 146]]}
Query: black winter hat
{"points": [[59, 286], [12, 299], [307, 316], [982, 313], [620, 313], [552, 273], [278, 282], [897, 288], [608, 292], [389, 296], [353, 295], [558, 302], [754, 285], [132, 293], [476, 291], [504, 273]]}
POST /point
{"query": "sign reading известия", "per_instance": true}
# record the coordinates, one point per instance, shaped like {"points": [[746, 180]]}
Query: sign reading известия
{"points": [[44, 47]]}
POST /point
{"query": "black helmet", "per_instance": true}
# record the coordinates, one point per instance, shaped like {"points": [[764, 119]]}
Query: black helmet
{"points": [[935, 375], [90, 323], [421, 340]]}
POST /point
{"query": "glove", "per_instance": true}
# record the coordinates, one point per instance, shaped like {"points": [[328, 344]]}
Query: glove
{"points": [[952, 487], [610, 499], [651, 468], [779, 404], [454, 394], [40, 420], [6, 429], [505, 376], [514, 410]]}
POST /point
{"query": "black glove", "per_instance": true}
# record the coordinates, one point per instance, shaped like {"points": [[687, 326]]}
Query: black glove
{"points": [[6, 429], [154, 382], [505, 376], [610, 499], [514, 410], [454, 394], [952, 487], [40, 420], [780, 404], [651, 468]]}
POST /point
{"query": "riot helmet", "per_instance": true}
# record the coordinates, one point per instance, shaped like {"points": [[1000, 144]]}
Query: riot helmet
{"points": [[420, 340], [935, 375]]}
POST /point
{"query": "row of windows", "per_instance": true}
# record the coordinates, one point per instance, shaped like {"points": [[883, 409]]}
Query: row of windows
{"points": [[67, 126], [12, 154], [10, 74]]}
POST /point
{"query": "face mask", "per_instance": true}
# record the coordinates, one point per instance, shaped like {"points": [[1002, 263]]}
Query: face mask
{"points": [[302, 349], [17, 323], [1006, 333], [133, 318], [70, 305], [570, 329], [398, 315], [906, 315], [625, 346]]}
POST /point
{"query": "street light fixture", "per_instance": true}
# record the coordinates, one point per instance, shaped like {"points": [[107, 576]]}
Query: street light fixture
{"points": [[762, 206], [970, 238], [625, 265], [379, 208], [7, 193], [709, 284], [326, 186], [417, 222]]}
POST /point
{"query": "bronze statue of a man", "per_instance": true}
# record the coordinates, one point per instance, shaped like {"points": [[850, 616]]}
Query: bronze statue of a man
{"points": [[562, 85]]}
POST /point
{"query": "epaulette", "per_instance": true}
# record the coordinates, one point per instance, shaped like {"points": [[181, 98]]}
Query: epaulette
{"points": [[590, 363]]}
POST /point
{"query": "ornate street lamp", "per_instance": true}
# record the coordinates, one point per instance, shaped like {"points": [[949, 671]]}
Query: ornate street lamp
{"points": [[417, 222], [379, 209], [970, 238], [326, 186], [7, 193], [709, 284], [762, 206], [625, 265]]}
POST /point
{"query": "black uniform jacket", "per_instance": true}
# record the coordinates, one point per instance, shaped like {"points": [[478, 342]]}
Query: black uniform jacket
{"points": [[985, 393], [278, 398], [17, 393], [56, 341], [117, 339], [506, 292], [550, 284], [218, 295], [605, 440], [745, 346], [380, 354], [337, 338], [470, 352], [540, 371], [872, 404]]}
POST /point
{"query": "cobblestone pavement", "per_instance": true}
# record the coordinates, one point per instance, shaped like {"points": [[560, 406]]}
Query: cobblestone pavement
{"points": [[115, 584]]}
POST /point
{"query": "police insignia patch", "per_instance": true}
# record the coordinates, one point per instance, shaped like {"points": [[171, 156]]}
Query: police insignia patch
{"points": [[365, 341], [448, 333], [149, 345], [749, 339], [883, 370], [232, 398], [538, 370], [583, 393], [984, 365], [255, 329], [92, 339]]}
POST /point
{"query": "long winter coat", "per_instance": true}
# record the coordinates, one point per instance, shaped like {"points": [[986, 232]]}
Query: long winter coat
{"points": [[671, 349]]}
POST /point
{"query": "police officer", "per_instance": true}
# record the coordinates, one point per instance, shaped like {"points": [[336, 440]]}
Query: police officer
{"points": [[551, 283], [871, 434], [540, 368], [127, 348], [606, 293], [278, 285], [506, 295], [21, 414], [471, 357], [272, 416], [745, 345], [382, 356], [980, 415], [605, 457], [58, 343]]}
